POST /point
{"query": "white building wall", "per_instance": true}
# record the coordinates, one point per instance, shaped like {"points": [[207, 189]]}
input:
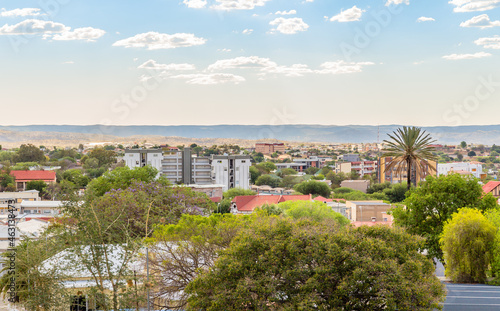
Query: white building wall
{"points": [[220, 172], [446, 168], [132, 160], [242, 173]]}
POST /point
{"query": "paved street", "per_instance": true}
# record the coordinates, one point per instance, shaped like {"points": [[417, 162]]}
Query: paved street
{"points": [[468, 297]]}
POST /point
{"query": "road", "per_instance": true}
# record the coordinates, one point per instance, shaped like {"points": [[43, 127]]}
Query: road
{"points": [[469, 297]]}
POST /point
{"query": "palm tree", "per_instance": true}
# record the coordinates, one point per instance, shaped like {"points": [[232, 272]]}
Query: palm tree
{"points": [[410, 149]]}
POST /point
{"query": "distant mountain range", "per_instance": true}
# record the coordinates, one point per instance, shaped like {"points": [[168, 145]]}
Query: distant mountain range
{"points": [[481, 134]]}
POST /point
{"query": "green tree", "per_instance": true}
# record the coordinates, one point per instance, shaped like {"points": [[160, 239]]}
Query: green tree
{"points": [[396, 193], [38, 185], [286, 171], [290, 181], [37, 287], [180, 251], [471, 153], [311, 170], [254, 174], [77, 177], [429, 206], [463, 145], [313, 187], [316, 211], [282, 264], [29, 153], [270, 180], [410, 150], [266, 167], [103, 156], [234, 192], [120, 178], [467, 243]]}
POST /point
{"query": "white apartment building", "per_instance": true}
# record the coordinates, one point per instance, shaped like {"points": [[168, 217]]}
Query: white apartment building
{"points": [[142, 157], [231, 171], [182, 167], [475, 168]]}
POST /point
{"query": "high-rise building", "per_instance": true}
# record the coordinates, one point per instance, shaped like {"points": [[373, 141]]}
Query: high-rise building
{"points": [[232, 171], [181, 167]]}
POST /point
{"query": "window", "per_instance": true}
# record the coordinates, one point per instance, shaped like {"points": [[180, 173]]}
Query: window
{"points": [[243, 161], [137, 162], [374, 219]]}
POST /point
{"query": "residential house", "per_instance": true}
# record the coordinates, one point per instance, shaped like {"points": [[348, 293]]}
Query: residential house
{"points": [[368, 211], [23, 177], [246, 204]]}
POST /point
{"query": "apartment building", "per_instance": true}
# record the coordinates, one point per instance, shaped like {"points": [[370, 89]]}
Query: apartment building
{"points": [[269, 148], [474, 168], [142, 157], [16, 198], [393, 177], [232, 171], [182, 167], [361, 167]]}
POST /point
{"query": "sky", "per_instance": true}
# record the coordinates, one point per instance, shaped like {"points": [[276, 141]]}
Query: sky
{"points": [[266, 62]]}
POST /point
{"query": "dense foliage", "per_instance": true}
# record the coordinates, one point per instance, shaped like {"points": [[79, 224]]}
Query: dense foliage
{"points": [[281, 264]]}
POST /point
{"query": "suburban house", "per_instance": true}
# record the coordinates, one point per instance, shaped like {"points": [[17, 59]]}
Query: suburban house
{"points": [[492, 187], [23, 177], [16, 198], [364, 212], [246, 204]]}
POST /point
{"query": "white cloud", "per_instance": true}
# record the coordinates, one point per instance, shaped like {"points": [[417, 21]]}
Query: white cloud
{"points": [[87, 33], [68, 62], [291, 12], [397, 2], [241, 62], [210, 79], [247, 31], [481, 21], [466, 56], [156, 41], [295, 70], [224, 50], [350, 15], [474, 5], [33, 26], [425, 19], [153, 65], [341, 67], [289, 26], [21, 12], [238, 4], [195, 4], [489, 43]]}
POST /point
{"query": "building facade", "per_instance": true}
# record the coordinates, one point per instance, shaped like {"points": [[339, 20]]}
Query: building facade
{"points": [[361, 167], [393, 177], [475, 168], [269, 148], [232, 171], [182, 167]]}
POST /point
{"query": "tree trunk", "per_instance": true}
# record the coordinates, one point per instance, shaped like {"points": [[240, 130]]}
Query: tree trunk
{"points": [[408, 174]]}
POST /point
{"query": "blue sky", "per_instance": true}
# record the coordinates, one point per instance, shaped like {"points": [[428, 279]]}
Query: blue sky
{"points": [[174, 62]]}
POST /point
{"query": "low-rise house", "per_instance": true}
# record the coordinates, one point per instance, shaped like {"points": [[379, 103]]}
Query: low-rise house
{"points": [[492, 187], [360, 185], [368, 211], [16, 198], [23, 177], [246, 204], [48, 208]]}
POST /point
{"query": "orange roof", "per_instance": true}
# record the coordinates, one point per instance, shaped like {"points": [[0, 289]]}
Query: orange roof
{"points": [[490, 186], [248, 203], [216, 199], [322, 199], [22, 176]]}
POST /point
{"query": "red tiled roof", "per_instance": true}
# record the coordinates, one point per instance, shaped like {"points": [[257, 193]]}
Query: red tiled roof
{"points": [[490, 186], [248, 203], [21, 176], [322, 199], [216, 199]]}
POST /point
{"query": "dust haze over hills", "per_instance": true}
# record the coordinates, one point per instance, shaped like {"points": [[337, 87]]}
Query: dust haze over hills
{"points": [[245, 135]]}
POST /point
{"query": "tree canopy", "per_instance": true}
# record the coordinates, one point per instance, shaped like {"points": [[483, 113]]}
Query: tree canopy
{"points": [[313, 187], [281, 264], [429, 206]]}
